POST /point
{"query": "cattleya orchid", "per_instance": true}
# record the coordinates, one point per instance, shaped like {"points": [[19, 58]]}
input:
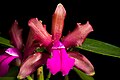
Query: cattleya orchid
{"points": [[57, 57], [13, 52], [18, 52], [61, 60]]}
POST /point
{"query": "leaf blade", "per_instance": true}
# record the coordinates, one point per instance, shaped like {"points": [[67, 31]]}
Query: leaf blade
{"points": [[82, 75], [100, 47], [5, 42]]}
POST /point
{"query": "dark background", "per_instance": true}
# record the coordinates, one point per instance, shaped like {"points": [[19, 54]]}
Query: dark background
{"points": [[103, 15]]}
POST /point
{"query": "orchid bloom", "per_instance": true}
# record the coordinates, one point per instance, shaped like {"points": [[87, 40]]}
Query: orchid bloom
{"points": [[13, 52], [61, 59]]}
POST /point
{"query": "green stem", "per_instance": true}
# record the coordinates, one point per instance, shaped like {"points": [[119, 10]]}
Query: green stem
{"points": [[29, 78], [40, 73]]}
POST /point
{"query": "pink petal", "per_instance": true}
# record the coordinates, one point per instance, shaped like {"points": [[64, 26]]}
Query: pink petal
{"points": [[58, 21], [14, 52], [60, 60], [5, 59], [30, 45], [54, 63], [40, 32], [82, 63], [31, 64], [77, 37], [30, 39], [3, 56], [16, 35], [67, 62]]}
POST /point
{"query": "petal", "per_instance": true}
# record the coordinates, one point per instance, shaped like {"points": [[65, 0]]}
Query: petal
{"points": [[31, 64], [59, 59], [30, 39], [14, 52], [16, 35], [77, 37], [58, 21], [30, 45], [54, 63], [82, 63], [28, 52], [40, 32], [4, 63], [67, 62], [3, 56]]}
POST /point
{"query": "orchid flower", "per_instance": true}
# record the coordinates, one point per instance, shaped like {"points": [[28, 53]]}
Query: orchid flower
{"points": [[13, 52], [18, 49], [62, 60]]}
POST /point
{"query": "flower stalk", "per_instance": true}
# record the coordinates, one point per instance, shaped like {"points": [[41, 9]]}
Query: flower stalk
{"points": [[40, 73], [29, 78]]}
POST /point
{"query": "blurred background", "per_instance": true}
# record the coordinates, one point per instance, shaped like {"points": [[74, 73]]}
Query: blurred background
{"points": [[103, 15]]}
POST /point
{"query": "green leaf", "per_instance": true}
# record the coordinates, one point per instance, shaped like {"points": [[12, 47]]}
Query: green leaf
{"points": [[8, 78], [82, 75], [5, 42], [100, 47]]}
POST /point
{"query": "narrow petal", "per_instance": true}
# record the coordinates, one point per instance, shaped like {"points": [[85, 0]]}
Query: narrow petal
{"points": [[60, 61], [30, 45], [30, 39], [4, 63], [82, 63], [58, 21], [31, 64], [40, 32], [77, 37], [16, 35]]}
